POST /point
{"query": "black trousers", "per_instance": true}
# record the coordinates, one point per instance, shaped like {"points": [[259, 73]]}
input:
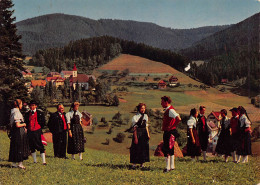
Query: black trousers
{"points": [[59, 144], [35, 141]]}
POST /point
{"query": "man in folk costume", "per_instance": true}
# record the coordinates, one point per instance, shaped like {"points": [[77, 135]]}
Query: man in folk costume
{"points": [[59, 127], [170, 121], [203, 131], [35, 121]]}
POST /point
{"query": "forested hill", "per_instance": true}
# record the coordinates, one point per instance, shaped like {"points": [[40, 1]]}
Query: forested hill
{"points": [[56, 30], [231, 54], [91, 53], [237, 38]]}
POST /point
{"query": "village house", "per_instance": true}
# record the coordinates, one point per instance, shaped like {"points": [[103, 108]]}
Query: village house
{"points": [[224, 81], [86, 118], [27, 74], [162, 84], [56, 81], [173, 81], [53, 74], [66, 74]]}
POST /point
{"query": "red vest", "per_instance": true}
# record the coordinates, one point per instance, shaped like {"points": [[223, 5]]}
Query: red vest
{"points": [[34, 125], [168, 122], [203, 119], [64, 121], [234, 124]]}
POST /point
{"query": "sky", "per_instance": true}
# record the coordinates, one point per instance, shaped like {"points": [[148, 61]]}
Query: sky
{"points": [[178, 14]]}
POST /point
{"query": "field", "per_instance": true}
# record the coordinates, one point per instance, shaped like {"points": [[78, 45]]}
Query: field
{"points": [[100, 167]]}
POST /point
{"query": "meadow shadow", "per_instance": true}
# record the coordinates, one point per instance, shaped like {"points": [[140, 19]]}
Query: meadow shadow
{"points": [[119, 166]]}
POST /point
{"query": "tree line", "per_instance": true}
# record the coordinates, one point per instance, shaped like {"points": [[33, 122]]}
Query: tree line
{"points": [[93, 52]]}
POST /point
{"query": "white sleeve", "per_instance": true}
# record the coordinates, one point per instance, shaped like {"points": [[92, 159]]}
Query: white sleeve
{"points": [[68, 117], [173, 113], [247, 122], [17, 117], [134, 120], [190, 123]]}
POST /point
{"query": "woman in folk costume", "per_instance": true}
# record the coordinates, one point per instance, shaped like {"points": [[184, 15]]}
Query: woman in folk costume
{"points": [[19, 146], [193, 144], [224, 144], [76, 135], [235, 132], [245, 134], [58, 127], [170, 121], [203, 131], [35, 121], [139, 151]]}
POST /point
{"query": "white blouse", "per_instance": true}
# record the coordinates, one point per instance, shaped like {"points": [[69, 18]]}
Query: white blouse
{"points": [[172, 112], [137, 117], [16, 116], [244, 121], [69, 115], [192, 122]]}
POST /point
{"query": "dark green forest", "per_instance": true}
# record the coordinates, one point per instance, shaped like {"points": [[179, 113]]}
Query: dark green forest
{"points": [[91, 53]]}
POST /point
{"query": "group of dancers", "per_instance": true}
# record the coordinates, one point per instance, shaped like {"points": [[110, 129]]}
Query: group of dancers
{"points": [[26, 134]]}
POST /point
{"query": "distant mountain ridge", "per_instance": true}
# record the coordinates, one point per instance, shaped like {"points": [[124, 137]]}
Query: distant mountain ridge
{"points": [[57, 30]]}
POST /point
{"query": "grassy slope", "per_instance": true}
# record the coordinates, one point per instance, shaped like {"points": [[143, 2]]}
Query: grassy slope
{"points": [[100, 167]]}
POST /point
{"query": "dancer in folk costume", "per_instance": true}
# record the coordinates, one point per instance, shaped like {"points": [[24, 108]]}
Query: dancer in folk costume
{"points": [[35, 121], [235, 132], [203, 131], [139, 151], [170, 121], [245, 135], [224, 145], [193, 144], [59, 127], [19, 146], [76, 135]]}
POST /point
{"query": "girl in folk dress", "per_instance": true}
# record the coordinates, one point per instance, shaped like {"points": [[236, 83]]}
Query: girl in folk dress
{"points": [[193, 145], [19, 146], [224, 144], [76, 135], [139, 151], [245, 135]]}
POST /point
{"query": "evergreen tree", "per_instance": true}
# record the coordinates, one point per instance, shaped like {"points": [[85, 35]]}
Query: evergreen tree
{"points": [[11, 60]]}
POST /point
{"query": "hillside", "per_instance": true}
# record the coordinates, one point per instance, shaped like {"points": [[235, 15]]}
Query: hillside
{"points": [[56, 30], [243, 36], [144, 67]]}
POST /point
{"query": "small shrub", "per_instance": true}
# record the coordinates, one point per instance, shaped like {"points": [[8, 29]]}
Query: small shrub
{"points": [[120, 137]]}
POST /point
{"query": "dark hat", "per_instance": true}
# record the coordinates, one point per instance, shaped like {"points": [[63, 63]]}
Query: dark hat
{"points": [[33, 102], [234, 109]]}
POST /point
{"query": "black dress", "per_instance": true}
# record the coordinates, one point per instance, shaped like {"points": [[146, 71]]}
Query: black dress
{"points": [[193, 149], [224, 144], [19, 146], [203, 132], [76, 142], [139, 153], [245, 144]]}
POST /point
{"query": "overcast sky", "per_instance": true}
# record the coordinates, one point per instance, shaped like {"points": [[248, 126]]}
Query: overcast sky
{"points": [[166, 13]]}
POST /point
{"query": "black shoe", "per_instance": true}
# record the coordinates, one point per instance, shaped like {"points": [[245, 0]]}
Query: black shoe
{"points": [[166, 170], [44, 164]]}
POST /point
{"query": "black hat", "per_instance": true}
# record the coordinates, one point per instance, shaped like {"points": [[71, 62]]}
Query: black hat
{"points": [[33, 102], [234, 109]]}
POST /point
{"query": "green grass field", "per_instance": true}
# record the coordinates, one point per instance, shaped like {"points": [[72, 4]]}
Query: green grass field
{"points": [[99, 167]]}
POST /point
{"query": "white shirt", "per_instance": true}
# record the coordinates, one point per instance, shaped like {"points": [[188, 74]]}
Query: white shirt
{"points": [[244, 121], [16, 116], [137, 117], [172, 112], [69, 115], [192, 122]]}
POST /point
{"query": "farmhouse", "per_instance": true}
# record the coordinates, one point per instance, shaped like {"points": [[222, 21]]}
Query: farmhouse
{"points": [[81, 79], [161, 84], [173, 81], [57, 81], [66, 74], [86, 118], [53, 74], [40, 83]]}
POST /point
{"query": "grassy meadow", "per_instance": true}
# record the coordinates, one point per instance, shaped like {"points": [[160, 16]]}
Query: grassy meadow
{"points": [[100, 167]]}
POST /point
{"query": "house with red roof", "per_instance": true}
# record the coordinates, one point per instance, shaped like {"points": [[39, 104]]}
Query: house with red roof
{"points": [[40, 83], [27, 74], [53, 74], [66, 74], [173, 81], [162, 84], [57, 81]]}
